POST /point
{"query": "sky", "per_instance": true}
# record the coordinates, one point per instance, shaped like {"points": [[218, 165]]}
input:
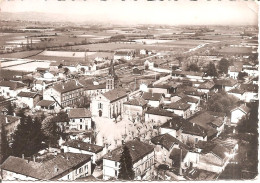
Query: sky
{"points": [[182, 12]]}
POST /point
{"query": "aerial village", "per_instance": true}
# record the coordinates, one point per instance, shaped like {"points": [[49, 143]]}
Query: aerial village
{"points": [[181, 103]]}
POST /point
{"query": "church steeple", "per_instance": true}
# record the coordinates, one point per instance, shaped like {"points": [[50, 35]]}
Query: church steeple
{"points": [[112, 77]]}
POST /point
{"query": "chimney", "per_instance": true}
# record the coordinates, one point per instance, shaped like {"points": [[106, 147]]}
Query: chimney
{"points": [[78, 145], [34, 158], [14, 114], [56, 169], [193, 124], [22, 156], [6, 119], [170, 124]]}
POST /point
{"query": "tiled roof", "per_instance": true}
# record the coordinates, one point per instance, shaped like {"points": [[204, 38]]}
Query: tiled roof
{"points": [[216, 149], [194, 93], [207, 85], [236, 90], [179, 105], [13, 85], [242, 107], [152, 96], [115, 94], [27, 94], [174, 123], [160, 112], [45, 103], [208, 122], [193, 129], [67, 86], [249, 87], [140, 150], [78, 144], [136, 101], [189, 99], [225, 82], [167, 141], [79, 113], [45, 170]]}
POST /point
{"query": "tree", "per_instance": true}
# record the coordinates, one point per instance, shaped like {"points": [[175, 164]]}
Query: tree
{"points": [[10, 109], [51, 131], [4, 145], [242, 75], [126, 165], [211, 70], [193, 67], [223, 66], [28, 137]]}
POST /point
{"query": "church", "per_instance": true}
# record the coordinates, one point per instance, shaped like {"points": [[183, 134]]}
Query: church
{"points": [[110, 103]]}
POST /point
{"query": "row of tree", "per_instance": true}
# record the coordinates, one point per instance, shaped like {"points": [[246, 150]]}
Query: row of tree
{"points": [[31, 135]]}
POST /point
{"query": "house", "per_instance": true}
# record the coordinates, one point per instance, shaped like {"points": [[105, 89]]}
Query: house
{"points": [[185, 131], [251, 92], [143, 52], [11, 88], [109, 104], [214, 125], [67, 166], [237, 114], [158, 116], [238, 93], [10, 124], [64, 93], [80, 147], [148, 64], [80, 119], [153, 99], [190, 75], [86, 68], [93, 88], [213, 157], [54, 66], [162, 88], [180, 108], [39, 85], [135, 108], [206, 87], [252, 72], [125, 54], [225, 84], [193, 102], [29, 99], [164, 144], [46, 105], [138, 70], [142, 155], [234, 70]]}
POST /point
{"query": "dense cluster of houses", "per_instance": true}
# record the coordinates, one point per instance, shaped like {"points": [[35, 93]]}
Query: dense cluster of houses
{"points": [[188, 137]]}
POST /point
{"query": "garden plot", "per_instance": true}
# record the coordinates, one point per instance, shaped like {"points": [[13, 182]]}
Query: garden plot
{"points": [[66, 54], [151, 41]]}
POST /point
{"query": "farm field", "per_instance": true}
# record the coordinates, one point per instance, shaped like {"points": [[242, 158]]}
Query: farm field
{"points": [[9, 63], [115, 46], [23, 54], [30, 67], [68, 56]]}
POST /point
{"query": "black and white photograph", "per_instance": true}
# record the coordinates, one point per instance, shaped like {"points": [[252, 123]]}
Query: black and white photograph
{"points": [[129, 90]]}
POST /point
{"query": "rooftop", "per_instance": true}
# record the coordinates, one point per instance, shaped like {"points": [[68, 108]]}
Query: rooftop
{"points": [[115, 94], [78, 144], [152, 96], [47, 170], [160, 112], [12, 85], [67, 86], [79, 113], [137, 149], [136, 101], [27, 94]]}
